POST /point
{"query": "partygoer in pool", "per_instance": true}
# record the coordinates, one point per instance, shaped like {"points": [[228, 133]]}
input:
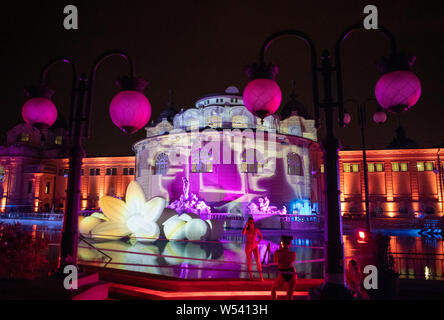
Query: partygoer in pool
{"points": [[254, 236], [285, 259], [354, 280]]}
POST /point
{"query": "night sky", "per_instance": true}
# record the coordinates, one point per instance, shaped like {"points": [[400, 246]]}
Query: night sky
{"points": [[201, 47]]}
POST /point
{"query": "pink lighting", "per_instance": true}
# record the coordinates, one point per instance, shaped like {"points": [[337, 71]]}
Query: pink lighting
{"points": [[39, 112], [380, 117], [262, 97], [130, 111], [347, 118], [398, 91]]}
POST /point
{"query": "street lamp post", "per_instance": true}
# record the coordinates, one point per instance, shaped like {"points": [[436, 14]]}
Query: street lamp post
{"points": [[334, 282], [130, 111], [378, 117]]}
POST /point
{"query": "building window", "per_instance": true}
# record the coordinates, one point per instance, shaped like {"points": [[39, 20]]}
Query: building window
{"points": [[29, 186], [294, 165], [420, 166], [111, 171], [375, 167], [47, 188], [161, 165], [403, 166], [429, 166], [201, 163], [24, 137], [2, 174], [58, 140], [214, 121], [239, 122], [94, 172], [128, 171], [351, 167], [250, 167], [322, 168]]}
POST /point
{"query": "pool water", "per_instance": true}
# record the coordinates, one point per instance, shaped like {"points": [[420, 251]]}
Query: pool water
{"points": [[415, 256]]}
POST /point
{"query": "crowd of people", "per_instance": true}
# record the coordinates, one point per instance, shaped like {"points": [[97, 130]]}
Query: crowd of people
{"points": [[285, 258]]}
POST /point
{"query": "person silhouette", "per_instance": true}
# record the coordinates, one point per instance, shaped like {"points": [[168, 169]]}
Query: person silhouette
{"points": [[285, 259], [252, 233]]}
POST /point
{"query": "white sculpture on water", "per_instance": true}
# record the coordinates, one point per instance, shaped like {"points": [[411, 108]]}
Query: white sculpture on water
{"points": [[265, 208], [189, 203]]}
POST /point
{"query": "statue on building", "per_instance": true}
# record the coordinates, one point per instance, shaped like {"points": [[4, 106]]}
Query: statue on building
{"points": [[264, 207], [189, 202]]}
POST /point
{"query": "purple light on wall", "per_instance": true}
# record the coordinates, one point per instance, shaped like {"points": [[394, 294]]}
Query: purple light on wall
{"points": [[130, 111], [398, 91], [39, 112], [262, 97]]}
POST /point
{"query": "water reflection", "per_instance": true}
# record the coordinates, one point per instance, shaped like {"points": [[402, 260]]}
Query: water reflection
{"points": [[415, 257]]}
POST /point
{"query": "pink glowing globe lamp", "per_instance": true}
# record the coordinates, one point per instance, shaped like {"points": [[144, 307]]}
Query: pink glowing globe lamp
{"points": [[39, 112], [398, 91], [380, 117], [347, 118], [130, 110], [262, 97]]}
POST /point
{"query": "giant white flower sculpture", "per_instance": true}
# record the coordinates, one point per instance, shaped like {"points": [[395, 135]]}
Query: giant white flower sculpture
{"points": [[136, 217]]}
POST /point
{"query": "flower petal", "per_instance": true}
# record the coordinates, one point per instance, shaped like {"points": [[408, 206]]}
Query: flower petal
{"points": [[110, 231], [99, 215], [153, 209], [148, 232], [114, 209], [87, 224], [135, 198]]}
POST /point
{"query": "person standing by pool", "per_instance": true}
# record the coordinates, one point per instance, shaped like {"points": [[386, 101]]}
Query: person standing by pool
{"points": [[287, 273], [252, 233]]}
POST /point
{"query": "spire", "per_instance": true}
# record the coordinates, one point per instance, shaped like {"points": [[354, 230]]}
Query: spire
{"points": [[170, 110], [294, 106]]}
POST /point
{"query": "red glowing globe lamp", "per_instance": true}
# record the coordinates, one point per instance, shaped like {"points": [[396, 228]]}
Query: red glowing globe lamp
{"points": [[39, 111], [130, 110], [262, 96]]}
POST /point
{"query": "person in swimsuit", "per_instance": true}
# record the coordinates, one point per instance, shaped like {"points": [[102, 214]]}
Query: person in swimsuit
{"points": [[252, 234], [285, 259]]}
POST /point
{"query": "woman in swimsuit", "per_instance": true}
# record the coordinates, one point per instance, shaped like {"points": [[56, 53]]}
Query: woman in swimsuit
{"points": [[252, 233], [287, 274]]}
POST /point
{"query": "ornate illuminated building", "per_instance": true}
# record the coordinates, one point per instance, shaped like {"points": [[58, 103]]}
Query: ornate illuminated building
{"points": [[229, 158]]}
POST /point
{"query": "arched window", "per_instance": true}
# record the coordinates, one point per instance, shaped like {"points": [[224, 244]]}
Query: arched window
{"points": [[23, 137], [201, 162], [250, 163], [294, 165], [239, 121], [161, 164]]}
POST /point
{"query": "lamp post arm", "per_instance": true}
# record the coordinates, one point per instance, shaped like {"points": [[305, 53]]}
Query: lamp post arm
{"points": [[97, 63], [343, 36], [314, 67], [44, 75]]}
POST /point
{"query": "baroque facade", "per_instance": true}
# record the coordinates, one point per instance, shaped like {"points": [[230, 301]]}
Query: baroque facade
{"points": [[230, 159]]}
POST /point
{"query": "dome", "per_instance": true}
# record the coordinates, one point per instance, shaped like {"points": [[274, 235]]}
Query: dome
{"points": [[294, 107], [401, 140]]}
